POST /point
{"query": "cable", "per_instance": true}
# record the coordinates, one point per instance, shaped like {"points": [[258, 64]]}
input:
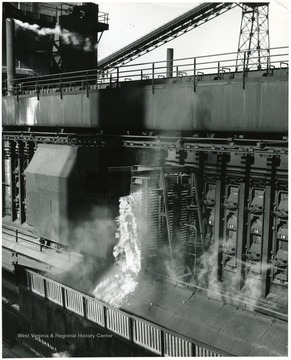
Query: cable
{"points": [[279, 3]]}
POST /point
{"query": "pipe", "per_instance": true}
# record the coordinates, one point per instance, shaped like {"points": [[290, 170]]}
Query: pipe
{"points": [[170, 57], [10, 54]]}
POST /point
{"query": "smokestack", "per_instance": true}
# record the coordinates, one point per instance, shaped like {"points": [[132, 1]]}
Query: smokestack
{"points": [[170, 57], [10, 54]]}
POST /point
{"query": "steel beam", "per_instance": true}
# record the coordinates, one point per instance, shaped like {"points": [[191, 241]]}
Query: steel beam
{"points": [[267, 242], [241, 233], [21, 187], [218, 228], [13, 181]]}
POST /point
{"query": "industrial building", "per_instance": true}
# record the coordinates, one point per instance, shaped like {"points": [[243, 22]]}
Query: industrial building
{"points": [[145, 205]]}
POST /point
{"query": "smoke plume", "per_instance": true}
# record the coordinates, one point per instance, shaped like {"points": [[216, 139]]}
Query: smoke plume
{"points": [[68, 37], [205, 275]]}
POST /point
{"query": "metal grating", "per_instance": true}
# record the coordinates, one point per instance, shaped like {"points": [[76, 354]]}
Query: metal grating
{"points": [[154, 223], [147, 336], [54, 292], [74, 301], [118, 323], [200, 351], [175, 346], [37, 284], [95, 312]]}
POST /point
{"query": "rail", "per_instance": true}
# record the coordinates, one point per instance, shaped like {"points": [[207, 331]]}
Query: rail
{"points": [[25, 237], [215, 67], [153, 337]]}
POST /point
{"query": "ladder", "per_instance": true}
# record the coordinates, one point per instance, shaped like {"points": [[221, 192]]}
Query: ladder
{"points": [[197, 230], [182, 270]]}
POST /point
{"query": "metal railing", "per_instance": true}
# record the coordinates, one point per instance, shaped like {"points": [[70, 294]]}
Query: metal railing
{"points": [[13, 234], [218, 67], [103, 17], [153, 337]]}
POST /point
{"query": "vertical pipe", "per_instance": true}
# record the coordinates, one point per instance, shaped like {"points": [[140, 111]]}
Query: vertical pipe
{"points": [[13, 181], [241, 232], [117, 81], [10, 54], [267, 224], [217, 223], [97, 40], [170, 58], [21, 178]]}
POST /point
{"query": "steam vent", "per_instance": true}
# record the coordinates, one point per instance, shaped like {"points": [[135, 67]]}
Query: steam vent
{"points": [[144, 179]]}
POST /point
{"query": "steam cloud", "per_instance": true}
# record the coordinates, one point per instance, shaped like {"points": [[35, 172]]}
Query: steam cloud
{"points": [[66, 353], [205, 277], [68, 37], [122, 278]]}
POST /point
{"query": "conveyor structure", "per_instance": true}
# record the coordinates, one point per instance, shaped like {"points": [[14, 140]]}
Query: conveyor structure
{"points": [[171, 30]]}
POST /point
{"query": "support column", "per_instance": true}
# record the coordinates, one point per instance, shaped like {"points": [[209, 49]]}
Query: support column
{"points": [[218, 229], [22, 217], [13, 181], [267, 241], [10, 55], [241, 234]]}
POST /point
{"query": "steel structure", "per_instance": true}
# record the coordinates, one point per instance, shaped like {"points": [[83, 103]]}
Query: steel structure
{"points": [[254, 42], [206, 147], [171, 30]]}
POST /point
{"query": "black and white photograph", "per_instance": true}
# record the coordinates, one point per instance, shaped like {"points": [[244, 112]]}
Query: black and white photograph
{"points": [[145, 179]]}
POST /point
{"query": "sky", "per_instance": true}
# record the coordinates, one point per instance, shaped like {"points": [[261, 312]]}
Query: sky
{"points": [[130, 20]]}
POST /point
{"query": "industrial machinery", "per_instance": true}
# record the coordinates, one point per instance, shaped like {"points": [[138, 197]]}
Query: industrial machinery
{"points": [[203, 142]]}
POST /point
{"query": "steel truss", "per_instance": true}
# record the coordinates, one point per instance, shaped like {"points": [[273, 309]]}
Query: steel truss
{"points": [[254, 42], [173, 29]]}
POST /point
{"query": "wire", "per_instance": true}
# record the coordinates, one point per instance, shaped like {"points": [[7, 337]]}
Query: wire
{"points": [[279, 3]]}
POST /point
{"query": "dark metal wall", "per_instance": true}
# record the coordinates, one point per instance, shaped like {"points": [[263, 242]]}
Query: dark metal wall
{"points": [[216, 106], [228, 210]]}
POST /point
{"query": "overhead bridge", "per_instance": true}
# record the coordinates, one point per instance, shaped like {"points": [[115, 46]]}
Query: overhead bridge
{"points": [[169, 31]]}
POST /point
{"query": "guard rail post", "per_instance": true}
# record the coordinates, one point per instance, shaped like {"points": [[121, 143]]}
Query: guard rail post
{"points": [[61, 89], [244, 72], [130, 328], [105, 316], [153, 78], [17, 92], [45, 288], [63, 297], [87, 84], [162, 343], [84, 307], [194, 75], [37, 88]]}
